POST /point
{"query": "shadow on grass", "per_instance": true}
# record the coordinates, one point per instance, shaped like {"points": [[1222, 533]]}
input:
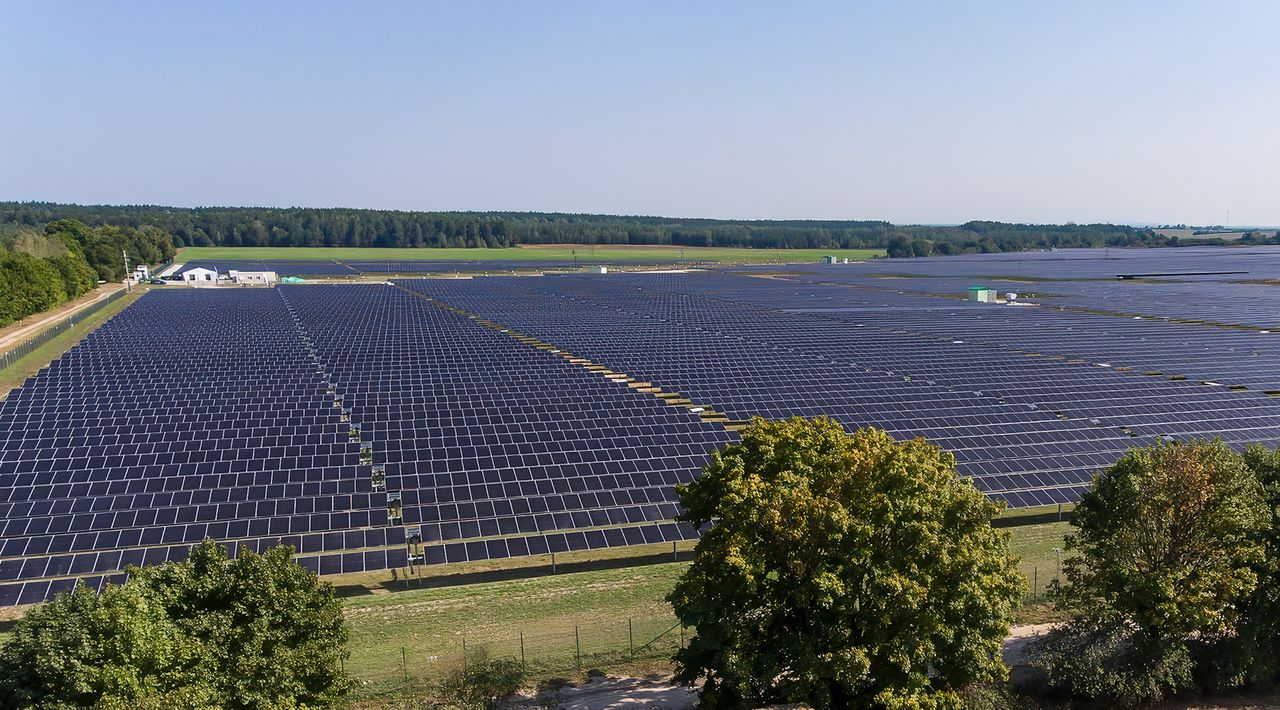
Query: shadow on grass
{"points": [[499, 575]]}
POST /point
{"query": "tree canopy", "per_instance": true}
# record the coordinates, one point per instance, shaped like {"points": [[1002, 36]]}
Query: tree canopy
{"points": [[256, 632], [44, 267], [342, 227], [841, 571], [1167, 544]]}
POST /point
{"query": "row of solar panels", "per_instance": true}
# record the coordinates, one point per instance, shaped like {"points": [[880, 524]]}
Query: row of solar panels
{"points": [[35, 591]]}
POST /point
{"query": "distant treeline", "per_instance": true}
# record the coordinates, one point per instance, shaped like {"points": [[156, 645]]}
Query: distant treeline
{"points": [[46, 266], [338, 227]]}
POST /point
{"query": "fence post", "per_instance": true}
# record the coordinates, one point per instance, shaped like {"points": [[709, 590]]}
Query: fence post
{"points": [[675, 556], [577, 647], [404, 663], [1059, 512], [553, 563], [522, 664], [631, 641]]}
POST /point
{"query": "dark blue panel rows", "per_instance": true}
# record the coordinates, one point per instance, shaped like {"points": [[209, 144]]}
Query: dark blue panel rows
{"points": [[1029, 429], [191, 414]]}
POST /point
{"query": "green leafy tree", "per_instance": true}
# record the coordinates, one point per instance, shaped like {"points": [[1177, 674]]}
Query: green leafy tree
{"points": [[921, 247], [273, 629], [841, 571], [256, 632], [1251, 656], [28, 285], [1166, 549], [899, 247], [117, 649], [77, 278]]}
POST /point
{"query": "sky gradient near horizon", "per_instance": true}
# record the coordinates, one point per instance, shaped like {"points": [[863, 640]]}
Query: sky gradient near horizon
{"points": [[914, 112]]}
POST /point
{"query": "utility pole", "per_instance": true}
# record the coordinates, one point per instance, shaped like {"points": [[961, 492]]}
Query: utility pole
{"points": [[128, 286]]}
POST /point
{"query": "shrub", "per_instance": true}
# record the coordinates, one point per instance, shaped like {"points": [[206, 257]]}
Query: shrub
{"points": [[481, 682]]}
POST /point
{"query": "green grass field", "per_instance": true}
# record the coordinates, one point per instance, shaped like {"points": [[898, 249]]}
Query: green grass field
{"points": [[558, 252]]}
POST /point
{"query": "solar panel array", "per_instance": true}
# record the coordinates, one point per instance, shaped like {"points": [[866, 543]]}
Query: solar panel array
{"points": [[481, 436], [375, 426], [1260, 261], [188, 415], [1029, 430], [1211, 301]]}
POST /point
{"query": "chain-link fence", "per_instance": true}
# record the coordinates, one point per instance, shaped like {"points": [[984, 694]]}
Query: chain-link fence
{"points": [[1039, 579], [542, 651], [28, 346]]}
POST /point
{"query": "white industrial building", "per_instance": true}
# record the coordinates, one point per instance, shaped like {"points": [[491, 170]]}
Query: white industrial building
{"points": [[261, 278], [200, 276]]}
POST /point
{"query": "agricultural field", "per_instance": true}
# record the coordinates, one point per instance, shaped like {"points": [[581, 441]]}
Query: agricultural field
{"points": [[550, 252]]}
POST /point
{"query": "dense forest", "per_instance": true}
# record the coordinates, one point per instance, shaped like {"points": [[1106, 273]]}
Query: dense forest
{"points": [[46, 266], [308, 227]]}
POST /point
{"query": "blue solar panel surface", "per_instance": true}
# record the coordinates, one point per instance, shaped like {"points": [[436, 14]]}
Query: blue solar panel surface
{"points": [[377, 426]]}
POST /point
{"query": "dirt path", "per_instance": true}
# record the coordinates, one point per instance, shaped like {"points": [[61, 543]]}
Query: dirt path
{"points": [[25, 328], [609, 693], [1020, 637]]}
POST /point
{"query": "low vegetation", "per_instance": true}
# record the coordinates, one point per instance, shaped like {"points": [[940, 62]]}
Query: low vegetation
{"points": [[17, 373]]}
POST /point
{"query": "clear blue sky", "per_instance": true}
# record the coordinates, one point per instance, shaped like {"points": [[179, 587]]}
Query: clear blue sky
{"points": [[907, 111]]}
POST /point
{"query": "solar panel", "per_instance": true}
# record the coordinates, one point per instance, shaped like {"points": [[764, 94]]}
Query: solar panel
{"points": [[503, 417]]}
